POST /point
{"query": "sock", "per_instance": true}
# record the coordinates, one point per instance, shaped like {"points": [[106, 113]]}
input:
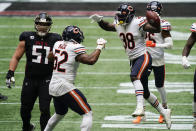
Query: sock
{"points": [[139, 91], [53, 121], [163, 96], [87, 122], [155, 103]]}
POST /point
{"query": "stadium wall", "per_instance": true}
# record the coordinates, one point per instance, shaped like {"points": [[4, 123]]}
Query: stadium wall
{"points": [[179, 9]]}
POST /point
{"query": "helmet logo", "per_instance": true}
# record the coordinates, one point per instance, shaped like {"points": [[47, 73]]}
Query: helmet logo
{"points": [[75, 30], [130, 8], [42, 20]]}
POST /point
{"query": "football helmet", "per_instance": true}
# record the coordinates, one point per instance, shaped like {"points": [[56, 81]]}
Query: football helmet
{"points": [[125, 13], [155, 6], [43, 23], [73, 33]]}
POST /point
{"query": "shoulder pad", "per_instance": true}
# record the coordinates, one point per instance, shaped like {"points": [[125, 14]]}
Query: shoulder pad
{"points": [[141, 20], [193, 27]]}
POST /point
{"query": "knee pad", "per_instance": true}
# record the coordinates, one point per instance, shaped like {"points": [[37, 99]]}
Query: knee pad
{"points": [[87, 121]]}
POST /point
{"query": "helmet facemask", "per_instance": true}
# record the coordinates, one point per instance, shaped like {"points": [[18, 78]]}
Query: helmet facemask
{"points": [[125, 14], [155, 6], [43, 24], [73, 33]]}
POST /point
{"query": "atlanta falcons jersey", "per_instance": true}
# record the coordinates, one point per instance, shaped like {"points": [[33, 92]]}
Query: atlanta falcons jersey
{"points": [[65, 67], [156, 53], [37, 49], [193, 27], [133, 36]]}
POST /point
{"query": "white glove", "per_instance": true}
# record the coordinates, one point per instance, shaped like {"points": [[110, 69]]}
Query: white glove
{"points": [[96, 18], [101, 43], [185, 62]]}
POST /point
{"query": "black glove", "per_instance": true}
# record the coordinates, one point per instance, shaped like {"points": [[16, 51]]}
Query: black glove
{"points": [[10, 80]]}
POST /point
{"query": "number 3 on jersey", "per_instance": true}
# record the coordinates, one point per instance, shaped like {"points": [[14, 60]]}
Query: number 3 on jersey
{"points": [[63, 57], [128, 40]]}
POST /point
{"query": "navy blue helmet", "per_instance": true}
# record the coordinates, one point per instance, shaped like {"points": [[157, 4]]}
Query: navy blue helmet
{"points": [[155, 6], [73, 33], [125, 13]]}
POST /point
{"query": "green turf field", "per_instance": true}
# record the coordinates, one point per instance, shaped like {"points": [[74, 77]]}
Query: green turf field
{"points": [[106, 84]]}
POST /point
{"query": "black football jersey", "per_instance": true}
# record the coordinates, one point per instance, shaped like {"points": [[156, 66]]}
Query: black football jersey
{"points": [[37, 49]]}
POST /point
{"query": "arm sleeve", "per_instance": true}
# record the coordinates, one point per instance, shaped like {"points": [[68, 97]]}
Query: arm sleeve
{"points": [[79, 49], [168, 43]]}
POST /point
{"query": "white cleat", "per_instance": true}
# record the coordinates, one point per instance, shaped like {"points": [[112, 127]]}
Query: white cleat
{"points": [[138, 112], [194, 126], [167, 117]]}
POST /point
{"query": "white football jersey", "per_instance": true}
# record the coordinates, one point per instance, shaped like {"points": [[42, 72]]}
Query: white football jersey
{"points": [[156, 53], [193, 27], [133, 36], [65, 67]]}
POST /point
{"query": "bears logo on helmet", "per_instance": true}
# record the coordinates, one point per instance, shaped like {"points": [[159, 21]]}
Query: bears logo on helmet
{"points": [[125, 13], [73, 33]]}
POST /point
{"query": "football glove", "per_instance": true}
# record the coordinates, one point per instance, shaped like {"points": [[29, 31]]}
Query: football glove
{"points": [[96, 18], [101, 43], [150, 44], [10, 80], [185, 62]]}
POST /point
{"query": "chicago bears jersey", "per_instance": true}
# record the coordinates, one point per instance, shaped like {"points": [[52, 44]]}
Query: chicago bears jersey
{"points": [[133, 36], [157, 54], [193, 27], [65, 67], [37, 49]]}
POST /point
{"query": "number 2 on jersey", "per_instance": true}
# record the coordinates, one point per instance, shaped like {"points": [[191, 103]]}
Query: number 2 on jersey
{"points": [[128, 40], [57, 62]]}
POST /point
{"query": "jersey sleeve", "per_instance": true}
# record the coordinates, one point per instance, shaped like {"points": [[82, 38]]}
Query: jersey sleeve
{"points": [[193, 28], [165, 25], [23, 36], [141, 21], [79, 49]]}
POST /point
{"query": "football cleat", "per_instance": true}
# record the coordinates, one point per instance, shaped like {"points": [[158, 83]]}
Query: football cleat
{"points": [[138, 112], [167, 118], [139, 119], [194, 126], [161, 119]]}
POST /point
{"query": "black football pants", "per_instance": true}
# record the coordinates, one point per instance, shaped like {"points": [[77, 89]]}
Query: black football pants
{"points": [[33, 88]]}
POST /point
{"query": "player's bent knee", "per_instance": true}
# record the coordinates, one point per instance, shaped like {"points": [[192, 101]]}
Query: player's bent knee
{"points": [[87, 121]]}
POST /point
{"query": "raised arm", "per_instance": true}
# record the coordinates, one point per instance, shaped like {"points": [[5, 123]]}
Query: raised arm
{"points": [[93, 57], [103, 24]]}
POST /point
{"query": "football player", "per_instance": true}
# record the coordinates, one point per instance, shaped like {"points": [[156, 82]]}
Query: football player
{"points": [[38, 70], [67, 55], [185, 63], [132, 30], [156, 43]]}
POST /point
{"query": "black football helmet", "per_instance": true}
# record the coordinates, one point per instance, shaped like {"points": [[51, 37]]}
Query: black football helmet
{"points": [[125, 13], [155, 6], [43, 23], [73, 33]]}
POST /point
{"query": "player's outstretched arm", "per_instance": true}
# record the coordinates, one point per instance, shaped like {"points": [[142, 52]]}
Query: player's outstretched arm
{"points": [[168, 42], [10, 80], [103, 24], [93, 57]]}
